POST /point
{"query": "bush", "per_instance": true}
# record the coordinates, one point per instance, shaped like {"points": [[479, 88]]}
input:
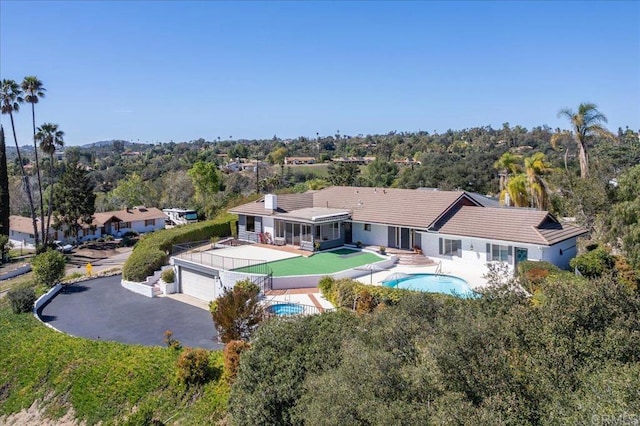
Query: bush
{"points": [[532, 274], [193, 366], [232, 352], [22, 299], [168, 275], [48, 267], [237, 313], [142, 263], [594, 263], [347, 292], [138, 267]]}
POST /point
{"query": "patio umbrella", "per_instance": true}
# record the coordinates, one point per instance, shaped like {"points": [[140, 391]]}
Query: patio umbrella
{"points": [[371, 267], [396, 276]]}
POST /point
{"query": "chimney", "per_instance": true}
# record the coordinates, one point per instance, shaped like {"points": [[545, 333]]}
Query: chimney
{"points": [[271, 202]]}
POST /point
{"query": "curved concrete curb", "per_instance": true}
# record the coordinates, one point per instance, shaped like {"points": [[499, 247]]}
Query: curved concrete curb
{"points": [[43, 300]]}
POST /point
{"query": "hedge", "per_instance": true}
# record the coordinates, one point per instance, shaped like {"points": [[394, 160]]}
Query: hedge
{"points": [[153, 250], [346, 293]]}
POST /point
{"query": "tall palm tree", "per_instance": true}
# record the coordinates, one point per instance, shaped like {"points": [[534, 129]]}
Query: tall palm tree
{"points": [[586, 125], [50, 137], [10, 100], [517, 191], [536, 167], [506, 164], [33, 92]]}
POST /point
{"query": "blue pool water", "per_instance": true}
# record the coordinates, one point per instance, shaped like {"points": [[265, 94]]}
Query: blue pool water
{"points": [[433, 283], [285, 309]]}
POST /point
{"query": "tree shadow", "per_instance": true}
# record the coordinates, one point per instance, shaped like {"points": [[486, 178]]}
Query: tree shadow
{"points": [[74, 288]]}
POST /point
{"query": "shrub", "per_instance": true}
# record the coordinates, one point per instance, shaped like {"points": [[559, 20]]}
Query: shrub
{"points": [[594, 263], [137, 268], [532, 274], [237, 313], [22, 299], [48, 267], [142, 263], [108, 238], [193, 366], [170, 341], [232, 352], [347, 292], [168, 275]]}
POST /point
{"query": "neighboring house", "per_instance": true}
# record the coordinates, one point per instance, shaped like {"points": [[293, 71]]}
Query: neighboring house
{"points": [[454, 225], [354, 160], [21, 232], [299, 160], [117, 223], [114, 223]]}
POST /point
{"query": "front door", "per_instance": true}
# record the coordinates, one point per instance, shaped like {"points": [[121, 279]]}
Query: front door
{"points": [[404, 242]]}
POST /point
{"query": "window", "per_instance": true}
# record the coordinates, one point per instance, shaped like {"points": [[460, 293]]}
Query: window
{"points": [[122, 225], [149, 222], [251, 224], [450, 247], [330, 231], [367, 227], [499, 253], [306, 233]]}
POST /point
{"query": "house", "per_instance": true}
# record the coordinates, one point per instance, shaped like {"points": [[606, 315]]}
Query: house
{"points": [[299, 160], [117, 223], [21, 232], [114, 223], [453, 225]]}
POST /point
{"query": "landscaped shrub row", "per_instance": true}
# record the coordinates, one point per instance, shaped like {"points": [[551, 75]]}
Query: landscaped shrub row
{"points": [[153, 249], [347, 293]]}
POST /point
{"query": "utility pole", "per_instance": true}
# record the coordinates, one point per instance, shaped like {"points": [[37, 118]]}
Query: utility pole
{"points": [[257, 175]]}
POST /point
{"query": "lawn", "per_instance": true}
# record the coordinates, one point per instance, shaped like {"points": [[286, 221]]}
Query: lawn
{"points": [[320, 263]]}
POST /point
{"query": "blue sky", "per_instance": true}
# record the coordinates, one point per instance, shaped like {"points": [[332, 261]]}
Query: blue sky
{"points": [[160, 71]]}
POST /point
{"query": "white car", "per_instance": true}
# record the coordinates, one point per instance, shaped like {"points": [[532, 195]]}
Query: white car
{"points": [[63, 248]]}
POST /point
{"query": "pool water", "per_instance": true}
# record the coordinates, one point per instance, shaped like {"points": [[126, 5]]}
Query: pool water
{"points": [[285, 309], [433, 283]]}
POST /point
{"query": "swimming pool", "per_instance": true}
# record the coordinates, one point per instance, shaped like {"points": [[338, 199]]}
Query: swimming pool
{"points": [[285, 309], [433, 283]]}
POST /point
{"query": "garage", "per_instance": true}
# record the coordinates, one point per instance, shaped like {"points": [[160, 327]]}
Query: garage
{"points": [[197, 284]]}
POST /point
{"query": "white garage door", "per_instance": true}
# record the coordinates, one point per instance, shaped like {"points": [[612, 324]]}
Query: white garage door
{"points": [[197, 285]]}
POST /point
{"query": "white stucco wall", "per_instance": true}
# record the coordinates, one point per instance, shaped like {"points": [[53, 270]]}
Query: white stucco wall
{"points": [[552, 253], [267, 225], [378, 236]]}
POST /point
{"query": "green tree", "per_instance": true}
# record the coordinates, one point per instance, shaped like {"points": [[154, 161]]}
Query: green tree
{"points": [[33, 92], [508, 164], [4, 187], [586, 126], [48, 267], [10, 100], [343, 174], [205, 180], [50, 137], [133, 191], [278, 156], [381, 173], [625, 216], [75, 204], [238, 312], [518, 191], [536, 166]]}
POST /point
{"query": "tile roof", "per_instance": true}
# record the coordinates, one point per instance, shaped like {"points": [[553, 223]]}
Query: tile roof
{"points": [[509, 224], [21, 224], [130, 215], [404, 207]]}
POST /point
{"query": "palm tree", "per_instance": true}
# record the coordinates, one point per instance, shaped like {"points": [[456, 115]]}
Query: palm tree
{"points": [[50, 137], [34, 91], [586, 125], [507, 163], [536, 166], [10, 100], [517, 191]]}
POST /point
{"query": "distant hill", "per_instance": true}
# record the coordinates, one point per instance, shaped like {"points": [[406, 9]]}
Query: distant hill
{"points": [[101, 144]]}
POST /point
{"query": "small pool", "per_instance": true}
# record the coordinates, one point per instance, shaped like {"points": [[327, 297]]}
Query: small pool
{"points": [[285, 309], [433, 283]]}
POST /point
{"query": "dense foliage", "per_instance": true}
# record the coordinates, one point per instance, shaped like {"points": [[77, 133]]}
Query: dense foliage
{"points": [[237, 312], [48, 267], [22, 299], [103, 382], [503, 357], [152, 251]]}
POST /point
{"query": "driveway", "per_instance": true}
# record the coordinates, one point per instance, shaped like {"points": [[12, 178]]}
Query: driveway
{"points": [[102, 309]]}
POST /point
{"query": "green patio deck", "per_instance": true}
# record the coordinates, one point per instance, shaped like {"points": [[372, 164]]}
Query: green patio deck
{"points": [[320, 263]]}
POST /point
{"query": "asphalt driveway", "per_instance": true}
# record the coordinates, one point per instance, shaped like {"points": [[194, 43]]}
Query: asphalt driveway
{"points": [[102, 309]]}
